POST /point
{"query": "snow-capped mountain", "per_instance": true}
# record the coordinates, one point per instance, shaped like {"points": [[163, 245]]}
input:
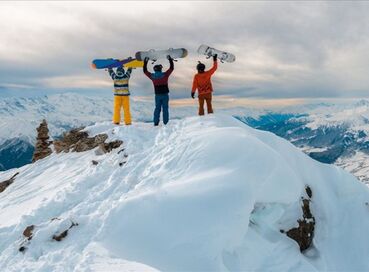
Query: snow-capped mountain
{"points": [[21, 116], [328, 133], [200, 194]]}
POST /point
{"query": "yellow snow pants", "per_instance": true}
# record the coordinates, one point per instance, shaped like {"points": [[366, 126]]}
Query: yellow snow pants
{"points": [[119, 102]]}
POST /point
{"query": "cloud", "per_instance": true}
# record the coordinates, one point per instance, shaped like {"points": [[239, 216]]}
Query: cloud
{"points": [[283, 49]]}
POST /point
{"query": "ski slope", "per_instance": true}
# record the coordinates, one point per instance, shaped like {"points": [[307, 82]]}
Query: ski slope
{"points": [[201, 194]]}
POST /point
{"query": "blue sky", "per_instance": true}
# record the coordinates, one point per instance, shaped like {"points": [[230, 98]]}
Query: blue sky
{"points": [[284, 50]]}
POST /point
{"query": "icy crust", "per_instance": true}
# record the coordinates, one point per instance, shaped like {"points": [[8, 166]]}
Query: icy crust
{"points": [[201, 194]]}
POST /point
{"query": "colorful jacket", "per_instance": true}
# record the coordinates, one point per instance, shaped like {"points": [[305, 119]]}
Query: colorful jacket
{"points": [[160, 81], [202, 81], [121, 87]]}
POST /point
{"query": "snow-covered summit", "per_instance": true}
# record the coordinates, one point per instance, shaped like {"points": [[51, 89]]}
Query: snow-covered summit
{"points": [[201, 194]]}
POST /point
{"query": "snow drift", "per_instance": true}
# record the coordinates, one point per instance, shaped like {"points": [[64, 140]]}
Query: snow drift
{"points": [[201, 194]]}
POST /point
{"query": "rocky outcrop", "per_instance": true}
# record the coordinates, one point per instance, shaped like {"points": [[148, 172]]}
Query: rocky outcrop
{"points": [[78, 140], [4, 184], [42, 148], [304, 233]]}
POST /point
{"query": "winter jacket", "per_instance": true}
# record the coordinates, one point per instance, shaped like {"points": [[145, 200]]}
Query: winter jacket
{"points": [[202, 81], [121, 83], [160, 80]]}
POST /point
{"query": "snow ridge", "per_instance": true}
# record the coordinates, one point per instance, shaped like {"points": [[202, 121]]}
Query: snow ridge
{"points": [[182, 198]]}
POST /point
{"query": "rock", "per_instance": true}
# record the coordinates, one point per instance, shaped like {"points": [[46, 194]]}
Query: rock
{"points": [[304, 233], [112, 145], [28, 232], [42, 148], [22, 248], [79, 141], [4, 184], [107, 147], [95, 162], [63, 234], [309, 192]]}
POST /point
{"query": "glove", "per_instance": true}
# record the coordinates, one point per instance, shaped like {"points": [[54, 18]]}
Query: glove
{"points": [[193, 95], [169, 57], [215, 57]]}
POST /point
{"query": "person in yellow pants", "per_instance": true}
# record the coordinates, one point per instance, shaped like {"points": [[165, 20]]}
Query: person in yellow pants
{"points": [[119, 102], [121, 94]]}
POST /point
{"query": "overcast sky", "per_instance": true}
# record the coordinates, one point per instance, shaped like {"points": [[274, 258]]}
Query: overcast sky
{"points": [[283, 49]]}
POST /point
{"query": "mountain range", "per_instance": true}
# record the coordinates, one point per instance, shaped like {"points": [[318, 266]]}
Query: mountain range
{"points": [[330, 133]]}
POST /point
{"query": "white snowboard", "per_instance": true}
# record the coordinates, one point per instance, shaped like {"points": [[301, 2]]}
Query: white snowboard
{"points": [[161, 54], [210, 52]]}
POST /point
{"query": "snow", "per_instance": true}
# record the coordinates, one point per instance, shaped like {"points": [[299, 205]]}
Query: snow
{"points": [[200, 194], [358, 165], [355, 116]]}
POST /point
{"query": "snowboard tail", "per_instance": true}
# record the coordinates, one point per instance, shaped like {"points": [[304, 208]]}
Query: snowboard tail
{"points": [[134, 64]]}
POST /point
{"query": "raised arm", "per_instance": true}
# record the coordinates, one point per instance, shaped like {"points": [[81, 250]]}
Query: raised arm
{"points": [[215, 65], [146, 72], [111, 73], [129, 71], [171, 66]]}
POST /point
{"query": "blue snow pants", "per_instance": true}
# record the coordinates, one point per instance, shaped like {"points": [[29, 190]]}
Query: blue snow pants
{"points": [[161, 101]]}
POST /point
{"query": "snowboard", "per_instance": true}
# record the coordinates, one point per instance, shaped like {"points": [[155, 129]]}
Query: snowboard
{"points": [[154, 55], [210, 52], [109, 63], [134, 64]]}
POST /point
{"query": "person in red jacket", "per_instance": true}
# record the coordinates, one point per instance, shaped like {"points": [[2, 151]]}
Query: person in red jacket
{"points": [[202, 83], [160, 82]]}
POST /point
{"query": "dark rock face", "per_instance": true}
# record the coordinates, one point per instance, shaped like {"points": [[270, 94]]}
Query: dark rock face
{"points": [[78, 141], [304, 233], [42, 148], [4, 184]]}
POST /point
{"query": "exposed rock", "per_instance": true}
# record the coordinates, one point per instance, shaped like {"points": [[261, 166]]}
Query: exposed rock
{"points": [[77, 140], [95, 162], [63, 234], [309, 192], [22, 248], [304, 233], [4, 184], [107, 147], [28, 234], [42, 148], [28, 231]]}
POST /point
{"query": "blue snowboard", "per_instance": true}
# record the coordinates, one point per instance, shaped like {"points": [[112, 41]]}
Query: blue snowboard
{"points": [[109, 63]]}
